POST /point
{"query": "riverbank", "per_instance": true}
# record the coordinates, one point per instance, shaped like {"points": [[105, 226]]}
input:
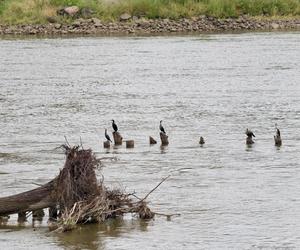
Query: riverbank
{"points": [[152, 26]]}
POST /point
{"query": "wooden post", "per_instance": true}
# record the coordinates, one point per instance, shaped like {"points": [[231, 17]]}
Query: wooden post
{"points": [[117, 138], [130, 144], [106, 144], [151, 140], [164, 139]]}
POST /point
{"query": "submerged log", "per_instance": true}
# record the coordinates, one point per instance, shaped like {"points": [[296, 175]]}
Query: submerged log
{"points": [[35, 199], [164, 139], [78, 194], [117, 138], [130, 144], [151, 140]]}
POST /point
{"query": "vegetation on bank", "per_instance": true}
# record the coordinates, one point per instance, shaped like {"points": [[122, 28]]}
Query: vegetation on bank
{"points": [[37, 11]]}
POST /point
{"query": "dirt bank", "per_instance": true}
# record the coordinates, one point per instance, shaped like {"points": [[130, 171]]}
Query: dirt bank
{"points": [[145, 26]]}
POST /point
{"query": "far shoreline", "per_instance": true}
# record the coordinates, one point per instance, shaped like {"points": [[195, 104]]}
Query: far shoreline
{"points": [[152, 27]]}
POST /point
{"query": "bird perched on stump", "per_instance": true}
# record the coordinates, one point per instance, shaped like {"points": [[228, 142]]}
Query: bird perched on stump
{"points": [[114, 126], [161, 127], [249, 134], [277, 137], [107, 136]]}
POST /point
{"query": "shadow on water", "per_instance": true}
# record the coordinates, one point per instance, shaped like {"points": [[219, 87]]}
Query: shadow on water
{"points": [[93, 236]]}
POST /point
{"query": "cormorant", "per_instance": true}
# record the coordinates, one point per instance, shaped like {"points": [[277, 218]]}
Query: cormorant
{"points": [[115, 127], [201, 141], [107, 136], [249, 133], [161, 127], [277, 137]]}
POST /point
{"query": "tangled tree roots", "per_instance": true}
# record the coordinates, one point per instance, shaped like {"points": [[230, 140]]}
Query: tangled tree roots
{"points": [[81, 199]]}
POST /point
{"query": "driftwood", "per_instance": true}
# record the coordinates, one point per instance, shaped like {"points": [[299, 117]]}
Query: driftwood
{"points": [[35, 199], [164, 139], [118, 139], [106, 144], [78, 195], [152, 140], [130, 144]]}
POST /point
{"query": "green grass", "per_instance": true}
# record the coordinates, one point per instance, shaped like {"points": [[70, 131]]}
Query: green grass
{"points": [[36, 11]]}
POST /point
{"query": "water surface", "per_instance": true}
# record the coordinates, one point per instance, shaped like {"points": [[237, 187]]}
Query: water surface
{"points": [[228, 195]]}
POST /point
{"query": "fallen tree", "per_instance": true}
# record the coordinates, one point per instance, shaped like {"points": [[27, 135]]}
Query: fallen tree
{"points": [[78, 195]]}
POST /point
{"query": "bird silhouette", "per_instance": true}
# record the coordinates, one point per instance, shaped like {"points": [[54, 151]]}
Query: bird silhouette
{"points": [[161, 127], [249, 133], [114, 126], [107, 136]]}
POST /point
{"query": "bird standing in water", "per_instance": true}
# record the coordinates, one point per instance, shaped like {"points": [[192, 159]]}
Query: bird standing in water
{"points": [[114, 125], [249, 134], [107, 136], [277, 137], [161, 127]]}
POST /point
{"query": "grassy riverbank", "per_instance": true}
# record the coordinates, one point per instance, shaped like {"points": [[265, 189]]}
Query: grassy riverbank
{"points": [[37, 11]]}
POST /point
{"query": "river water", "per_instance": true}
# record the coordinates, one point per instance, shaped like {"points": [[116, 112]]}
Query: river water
{"points": [[230, 196]]}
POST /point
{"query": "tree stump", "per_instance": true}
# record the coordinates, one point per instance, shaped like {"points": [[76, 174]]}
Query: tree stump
{"points": [[117, 138], [151, 140], [106, 144], [130, 144], [164, 139], [201, 141]]}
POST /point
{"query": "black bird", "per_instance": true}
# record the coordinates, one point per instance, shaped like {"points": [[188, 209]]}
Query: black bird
{"points": [[277, 137], [249, 133], [115, 127], [107, 136], [161, 127], [278, 132]]}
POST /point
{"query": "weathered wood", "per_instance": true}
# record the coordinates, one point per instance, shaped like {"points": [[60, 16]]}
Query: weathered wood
{"points": [[35, 199], [130, 144], [152, 140], [164, 139], [117, 138], [106, 144], [53, 212]]}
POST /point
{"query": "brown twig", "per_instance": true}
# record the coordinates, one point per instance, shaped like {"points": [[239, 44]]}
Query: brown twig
{"points": [[163, 180]]}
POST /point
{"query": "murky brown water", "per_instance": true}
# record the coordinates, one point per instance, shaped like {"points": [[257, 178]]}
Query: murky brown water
{"points": [[229, 196]]}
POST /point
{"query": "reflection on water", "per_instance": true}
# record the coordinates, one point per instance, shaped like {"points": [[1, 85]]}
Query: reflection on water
{"points": [[91, 236], [216, 86]]}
